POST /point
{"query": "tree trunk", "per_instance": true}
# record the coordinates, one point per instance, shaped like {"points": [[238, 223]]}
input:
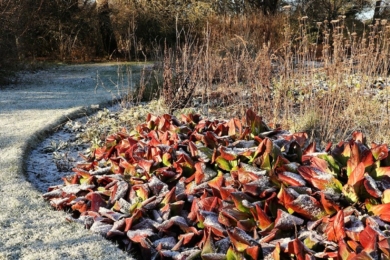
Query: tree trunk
{"points": [[377, 11], [106, 30]]}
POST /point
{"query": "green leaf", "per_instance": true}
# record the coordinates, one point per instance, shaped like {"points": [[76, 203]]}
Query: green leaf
{"points": [[208, 246], [381, 171], [238, 197], [310, 242], [205, 152], [333, 165], [386, 196], [255, 123], [266, 164], [223, 164], [350, 193], [232, 254], [166, 159]]}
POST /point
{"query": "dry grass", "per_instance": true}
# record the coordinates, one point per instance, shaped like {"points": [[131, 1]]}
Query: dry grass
{"points": [[326, 83]]}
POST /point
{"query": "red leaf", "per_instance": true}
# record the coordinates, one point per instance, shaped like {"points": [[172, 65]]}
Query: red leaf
{"points": [[169, 197], [371, 187], [238, 198], [291, 178], [100, 152], [316, 162], [354, 159], [311, 148], [276, 252], [199, 174], [367, 158], [368, 238], [235, 127], [96, 201], [317, 178], [216, 185], [344, 252], [186, 238], [261, 218], [193, 149], [380, 152], [358, 136], [247, 225], [137, 235], [210, 204], [356, 175], [384, 247], [284, 197], [124, 145], [225, 154], [285, 221], [382, 171], [329, 205], [240, 240], [363, 256], [354, 244], [210, 140], [145, 164], [335, 229], [211, 222], [307, 206], [119, 191], [244, 176], [253, 252], [194, 210], [225, 193], [230, 217], [297, 249], [328, 146], [80, 206], [382, 211]]}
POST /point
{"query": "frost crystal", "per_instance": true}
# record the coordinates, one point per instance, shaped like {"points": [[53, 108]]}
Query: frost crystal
{"points": [[295, 177], [287, 221], [166, 242], [306, 204]]}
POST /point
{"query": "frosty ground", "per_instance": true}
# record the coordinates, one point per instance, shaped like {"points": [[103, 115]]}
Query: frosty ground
{"points": [[29, 111]]}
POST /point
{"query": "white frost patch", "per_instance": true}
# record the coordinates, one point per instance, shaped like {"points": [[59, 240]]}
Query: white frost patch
{"points": [[211, 221], [166, 242], [287, 221], [372, 183], [293, 192], [253, 169], [353, 224], [169, 253], [28, 111], [305, 202], [188, 254], [101, 228], [323, 175], [133, 234], [295, 177], [214, 256]]}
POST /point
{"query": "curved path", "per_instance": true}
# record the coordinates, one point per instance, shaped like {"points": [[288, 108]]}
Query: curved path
{"points": [[30, 110]]}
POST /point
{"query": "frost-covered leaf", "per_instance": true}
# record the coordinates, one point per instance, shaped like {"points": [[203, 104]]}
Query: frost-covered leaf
{"points": [[285, 221], [290, 178], [215, 189], [137, 235], [308, 207]]}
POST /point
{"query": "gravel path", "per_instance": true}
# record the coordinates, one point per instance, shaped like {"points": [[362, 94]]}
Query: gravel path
{"points": [[29, 111]]}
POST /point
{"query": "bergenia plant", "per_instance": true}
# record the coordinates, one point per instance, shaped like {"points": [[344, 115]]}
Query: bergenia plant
{"points": [[194, 188]]}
